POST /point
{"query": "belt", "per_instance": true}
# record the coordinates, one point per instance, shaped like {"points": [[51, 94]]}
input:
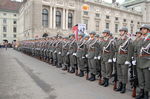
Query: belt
{"points": [[105, 52], [92, 50], [122, 52], [144, 55], [64, 48], [80, 49]]}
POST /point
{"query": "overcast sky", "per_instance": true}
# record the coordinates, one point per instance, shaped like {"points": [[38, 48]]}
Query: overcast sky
{"points": [[120, 1]]}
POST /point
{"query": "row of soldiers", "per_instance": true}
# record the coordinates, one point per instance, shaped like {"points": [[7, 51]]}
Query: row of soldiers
{"points": [[105, 57]]}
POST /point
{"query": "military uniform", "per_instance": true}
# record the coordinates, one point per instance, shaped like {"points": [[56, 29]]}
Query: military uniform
{"points": [[123, 55], [81, 55], [54, 52], [59, 52], [92, 54], [143, 65], [72, 55], [107, 48], [65, 54]]}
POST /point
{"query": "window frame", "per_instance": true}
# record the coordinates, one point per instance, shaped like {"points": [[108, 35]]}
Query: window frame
{"points": [[45, 18], [58, 19], [70, 20]]}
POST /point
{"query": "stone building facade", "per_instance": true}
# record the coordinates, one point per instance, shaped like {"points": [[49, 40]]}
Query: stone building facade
{"points": [[8, 20], [56, 17]]}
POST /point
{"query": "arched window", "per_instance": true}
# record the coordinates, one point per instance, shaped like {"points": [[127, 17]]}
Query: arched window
{"points": [[45, 18], [70, 20], [58, 19]]}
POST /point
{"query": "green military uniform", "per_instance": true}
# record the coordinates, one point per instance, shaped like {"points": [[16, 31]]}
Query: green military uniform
{"points": [[98, 60], [65, 54], [80, 55], [59, 52], [92, 54], [54, 52], [72, 55], [143, 65], [123, 55], [106, 58]]}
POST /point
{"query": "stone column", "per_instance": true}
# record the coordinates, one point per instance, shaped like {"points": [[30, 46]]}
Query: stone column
{"points": [[50, 18], [66, 19], [54, 18]]}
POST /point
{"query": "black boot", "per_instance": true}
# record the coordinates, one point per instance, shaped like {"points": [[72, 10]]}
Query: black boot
{"points": [[106, 82], [141, 94], [72, 70], [64, 67], [119, 87], [68, 68], [123, 88], [146, 95], [92, 78], [59, 65], [54, 62], [51, 61], [81, 74]]}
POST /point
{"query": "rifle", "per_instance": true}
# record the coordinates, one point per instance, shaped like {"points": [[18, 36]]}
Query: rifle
{"points": [[87, 70], [133, 79], [99, 72], [115, 76]]}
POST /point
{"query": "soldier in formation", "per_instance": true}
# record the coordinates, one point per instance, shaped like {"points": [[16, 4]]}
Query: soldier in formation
{"points": [[99, 57]]}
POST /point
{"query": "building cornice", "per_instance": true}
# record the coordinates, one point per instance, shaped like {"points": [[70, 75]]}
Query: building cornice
{"points": [[11, 11], [126, 4], [114, 8]]}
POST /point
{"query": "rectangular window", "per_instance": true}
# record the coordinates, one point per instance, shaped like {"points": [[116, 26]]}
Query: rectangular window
{"points": [[107, 17], [107, 25], [14, 35], [86, 22], [4, 29], [116, 18], [131, 29], [4, 35], [14, 22], [116, 28], [131, 21], [85, 13], [124, 20], [4, 21], [97, 15], [97, 25], [138, 22], [14, 29], [15, 15]]}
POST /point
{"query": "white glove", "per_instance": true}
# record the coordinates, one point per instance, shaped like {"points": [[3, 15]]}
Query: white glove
{"points": [[148, 68], [67, 53], [134, 62], [86, 55], [95, 57], [110, 61], [74, 54], [99, 57], [127, 63], [114, 59], [59, 53], [83, 57], [55, 52]]}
